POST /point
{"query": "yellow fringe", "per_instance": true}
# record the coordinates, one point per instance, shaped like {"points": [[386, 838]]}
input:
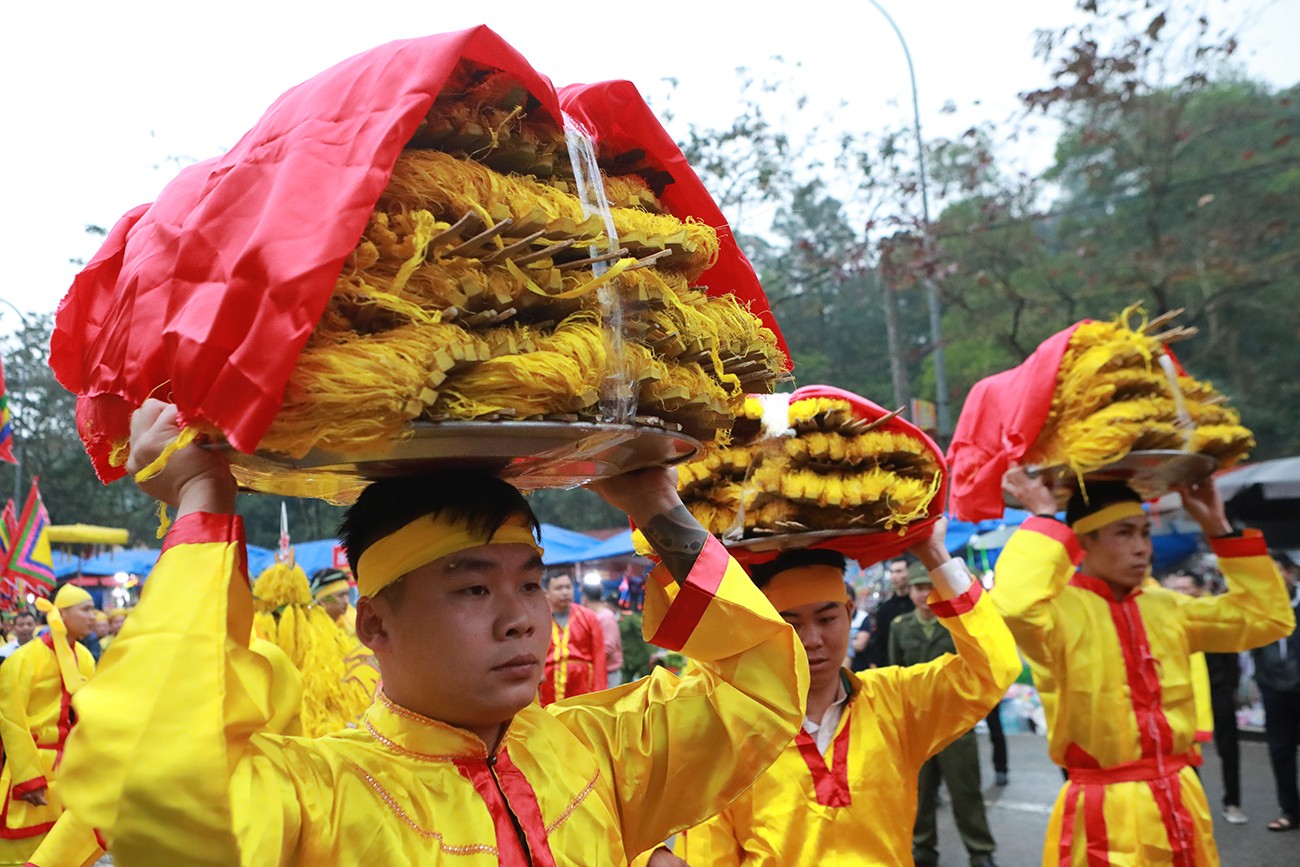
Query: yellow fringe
{"points": [[180, 441]]}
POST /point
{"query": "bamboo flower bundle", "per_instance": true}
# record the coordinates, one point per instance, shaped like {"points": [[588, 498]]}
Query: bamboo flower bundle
{"points": [[284, 614], [478, 292], [829, 470], [1118, 390]]}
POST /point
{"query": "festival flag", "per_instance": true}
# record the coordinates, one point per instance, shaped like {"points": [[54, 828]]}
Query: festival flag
{"points": [[29, 554], [11, 586], [6, 426], [285, 553]]}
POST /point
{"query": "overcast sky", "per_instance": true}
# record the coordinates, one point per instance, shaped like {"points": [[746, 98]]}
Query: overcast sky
{"points": [[98, 96]]}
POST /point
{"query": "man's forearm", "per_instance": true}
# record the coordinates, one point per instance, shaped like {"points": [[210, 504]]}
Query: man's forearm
{"points": [[678, 539]]}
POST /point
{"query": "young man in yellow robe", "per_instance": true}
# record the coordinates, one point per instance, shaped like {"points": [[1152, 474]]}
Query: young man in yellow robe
{"points": [[844, 791], [455, 763], [331, 590], [37, 683], [1111, 660]]}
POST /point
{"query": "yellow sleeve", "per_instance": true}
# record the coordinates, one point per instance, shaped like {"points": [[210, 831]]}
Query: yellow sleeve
{"points": [[166, 760], [16, 677], [1255, 611], [69, 842], [678, 750], [945, 698], [1035, 566], [712, 844]]}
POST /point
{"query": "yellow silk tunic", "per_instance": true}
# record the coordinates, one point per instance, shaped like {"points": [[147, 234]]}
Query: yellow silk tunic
{"points": [[73, 843], [172, 763], [35, 718], [1116, 685], [859, 805]]}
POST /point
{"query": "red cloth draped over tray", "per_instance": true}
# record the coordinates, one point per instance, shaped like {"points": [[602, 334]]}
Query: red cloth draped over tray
{"points": [[999, 422], [868, 548], [207, 296]]}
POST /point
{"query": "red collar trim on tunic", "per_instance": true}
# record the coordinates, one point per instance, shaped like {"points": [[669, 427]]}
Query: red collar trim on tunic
{"points": [[830, 785], [1101, 588]]}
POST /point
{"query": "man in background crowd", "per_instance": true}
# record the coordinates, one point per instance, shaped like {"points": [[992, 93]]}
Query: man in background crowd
{"points": [[899, 603], [1277, 671], [37, 683], [608, 614], [24, 626], [575, 662]]}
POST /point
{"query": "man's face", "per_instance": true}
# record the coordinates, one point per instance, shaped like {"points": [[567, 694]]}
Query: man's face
{"points": [[115, 623], [920, 593], [336, 604], [99, 626], [559, 593], [898, 576], [1119, 553], [24, 628], [465, 640], [78, 618], [823, 628]]}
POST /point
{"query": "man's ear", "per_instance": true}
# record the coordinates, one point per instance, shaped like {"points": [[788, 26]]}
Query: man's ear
{"points": [[372, 614]]}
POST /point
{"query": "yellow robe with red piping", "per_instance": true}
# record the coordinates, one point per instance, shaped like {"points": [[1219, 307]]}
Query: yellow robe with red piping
{"points": [[35, 719], [172, 763], [857, 803], [71, 842], [1116, 685]]}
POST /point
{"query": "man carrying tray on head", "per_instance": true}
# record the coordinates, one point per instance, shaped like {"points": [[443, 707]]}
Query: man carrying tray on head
{"points": [[455, 763], [1110, 658], [845, 790]]}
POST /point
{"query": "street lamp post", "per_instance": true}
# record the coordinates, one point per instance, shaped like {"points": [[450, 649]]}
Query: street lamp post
{"points": [[943, 421]]}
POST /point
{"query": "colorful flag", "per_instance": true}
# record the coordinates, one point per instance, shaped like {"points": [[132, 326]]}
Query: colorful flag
{"points": [[11, 586], [6, 427], [29, 552]]}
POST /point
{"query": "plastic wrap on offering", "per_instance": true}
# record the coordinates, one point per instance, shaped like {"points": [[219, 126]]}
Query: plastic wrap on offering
{"points": [[455, 241], [1100, 400], [819, 468]]}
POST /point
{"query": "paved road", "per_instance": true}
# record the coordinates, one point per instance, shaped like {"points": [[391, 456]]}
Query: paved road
{"points": [[1018, 813]]}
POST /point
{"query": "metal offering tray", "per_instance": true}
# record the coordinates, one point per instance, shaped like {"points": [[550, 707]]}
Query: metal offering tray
{"points": [[529, 454], [796, 541], [1151, 472]]}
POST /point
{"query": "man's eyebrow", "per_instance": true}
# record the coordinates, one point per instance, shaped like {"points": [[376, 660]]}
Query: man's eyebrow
{"points": [[829, 606]]}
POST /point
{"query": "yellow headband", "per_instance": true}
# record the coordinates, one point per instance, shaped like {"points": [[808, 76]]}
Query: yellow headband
{"points": [[804, 585], [336, 586], [427, 539], [1109, 515], [70, 595]]}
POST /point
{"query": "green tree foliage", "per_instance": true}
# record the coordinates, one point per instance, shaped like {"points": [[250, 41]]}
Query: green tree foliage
{"points": [[1177, 182]]}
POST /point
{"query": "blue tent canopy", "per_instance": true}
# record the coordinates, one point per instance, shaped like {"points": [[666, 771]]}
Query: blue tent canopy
{"points": [[619, 545]]}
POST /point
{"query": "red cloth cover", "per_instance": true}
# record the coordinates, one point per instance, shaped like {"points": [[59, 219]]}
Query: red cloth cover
{"points": [[868, 548], [1000, 420], [207, 296]]}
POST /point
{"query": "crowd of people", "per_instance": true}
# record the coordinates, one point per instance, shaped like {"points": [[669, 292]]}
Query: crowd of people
{"points": [[797, 728]]}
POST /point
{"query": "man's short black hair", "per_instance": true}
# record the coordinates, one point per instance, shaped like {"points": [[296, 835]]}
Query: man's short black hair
{"points": [[763, 573], [31, 614], [548, 577], [592, 593], [474, 497], [1099, 495]]}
